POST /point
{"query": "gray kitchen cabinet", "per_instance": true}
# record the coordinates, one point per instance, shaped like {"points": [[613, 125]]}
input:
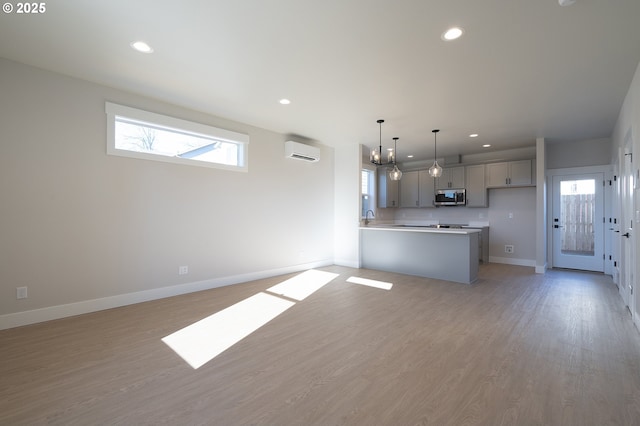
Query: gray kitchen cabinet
{"points": [[452, 177], [475, 186], [416, 189], [388, 190], [511, 173], [521, 173], [410, 190], [427, 188]]}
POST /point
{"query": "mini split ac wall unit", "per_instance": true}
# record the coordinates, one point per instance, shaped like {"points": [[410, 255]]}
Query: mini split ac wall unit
{"points": [[300, 151]]}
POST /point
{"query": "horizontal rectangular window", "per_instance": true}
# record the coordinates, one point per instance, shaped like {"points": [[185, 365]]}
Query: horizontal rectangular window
{"points": [[141, 134]]}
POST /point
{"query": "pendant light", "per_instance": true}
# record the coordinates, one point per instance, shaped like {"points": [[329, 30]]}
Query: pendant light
{"points": [[395, 173], [435, 170], [376, 156]]}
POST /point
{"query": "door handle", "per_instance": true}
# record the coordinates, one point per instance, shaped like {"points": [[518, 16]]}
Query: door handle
{"points": [[626, 235], [558, 226]]}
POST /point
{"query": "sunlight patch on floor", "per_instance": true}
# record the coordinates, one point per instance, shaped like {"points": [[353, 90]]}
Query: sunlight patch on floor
{"points": [[370, 283], [303, 285], [202, 341]]}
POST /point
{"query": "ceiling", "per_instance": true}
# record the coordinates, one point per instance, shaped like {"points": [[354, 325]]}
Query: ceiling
{"points": [[523, 68]]}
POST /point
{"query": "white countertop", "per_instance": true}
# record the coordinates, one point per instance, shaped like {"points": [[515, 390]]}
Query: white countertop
{"points": [[418, 228]]}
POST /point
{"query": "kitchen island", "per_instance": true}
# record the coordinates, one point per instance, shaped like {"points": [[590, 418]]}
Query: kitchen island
{"points": [[442, 253]]}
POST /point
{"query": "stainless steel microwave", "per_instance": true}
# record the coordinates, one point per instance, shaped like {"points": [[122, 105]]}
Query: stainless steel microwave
{"points": [[451, 197]]}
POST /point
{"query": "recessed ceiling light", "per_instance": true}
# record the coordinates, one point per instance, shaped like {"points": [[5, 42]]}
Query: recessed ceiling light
{"points": [[452, 33], [473, 135], [284, 101], [486, 145], [409, 156], [141, 46]]}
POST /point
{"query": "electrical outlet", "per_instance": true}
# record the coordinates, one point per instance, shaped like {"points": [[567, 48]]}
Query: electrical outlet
{"points": [[21, 292], [508, 248], [183, 270]]}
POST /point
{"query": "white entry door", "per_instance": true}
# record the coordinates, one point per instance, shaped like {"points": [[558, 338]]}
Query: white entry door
{"points": [[578, 227]]}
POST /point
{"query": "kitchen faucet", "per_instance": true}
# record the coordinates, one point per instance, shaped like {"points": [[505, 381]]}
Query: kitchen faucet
{"points": [[366, 216]]}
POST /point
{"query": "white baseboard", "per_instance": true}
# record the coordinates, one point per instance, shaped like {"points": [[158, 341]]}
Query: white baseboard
{"points": [[512, 261], [347, 262], [18, 319], [541, 269]]}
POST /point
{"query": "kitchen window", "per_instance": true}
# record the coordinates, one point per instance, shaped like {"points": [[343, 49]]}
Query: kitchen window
{"points": [[145, 135], [368, 179]]}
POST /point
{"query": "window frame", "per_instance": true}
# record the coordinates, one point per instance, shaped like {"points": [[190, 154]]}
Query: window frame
{"points": [[373, 188], [177, 125]]}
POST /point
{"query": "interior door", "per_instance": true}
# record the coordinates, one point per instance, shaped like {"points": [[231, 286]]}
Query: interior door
{"points": [[614, 226], [626, 227], [578, 221]]}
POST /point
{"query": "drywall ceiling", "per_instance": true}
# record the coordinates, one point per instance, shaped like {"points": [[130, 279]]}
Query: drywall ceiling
{"points": [[523, 68]]}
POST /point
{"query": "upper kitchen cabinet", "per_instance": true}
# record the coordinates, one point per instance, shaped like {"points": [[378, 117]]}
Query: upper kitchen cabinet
{"points": [[512, 173], [452, 177], [410, 190], [426, 188], [388, 190], [475, 186], [416, 189]]}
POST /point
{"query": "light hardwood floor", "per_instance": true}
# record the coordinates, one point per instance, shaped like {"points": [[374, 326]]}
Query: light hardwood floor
{"points": [[515, 348]]}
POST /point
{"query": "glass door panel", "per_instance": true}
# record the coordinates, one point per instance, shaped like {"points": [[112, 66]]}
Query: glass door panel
{"points": [[578, 212]]}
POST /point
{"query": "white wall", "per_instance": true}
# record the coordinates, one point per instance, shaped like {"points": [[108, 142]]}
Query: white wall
{"points": [[541, 207], [593, 152], [83, 230], [513, 221], [347, 205]]}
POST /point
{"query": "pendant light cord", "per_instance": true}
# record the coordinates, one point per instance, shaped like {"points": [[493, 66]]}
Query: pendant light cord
{"points": [[395, 150], [435, 144], [380, 147]]}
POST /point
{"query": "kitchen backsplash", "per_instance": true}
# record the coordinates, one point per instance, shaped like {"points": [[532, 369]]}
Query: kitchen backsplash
{"points": [[453, 215]]}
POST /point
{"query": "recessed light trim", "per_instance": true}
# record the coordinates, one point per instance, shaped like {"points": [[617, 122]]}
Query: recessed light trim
{"points": [[452, 33], [141, 46], [284, 101]]}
